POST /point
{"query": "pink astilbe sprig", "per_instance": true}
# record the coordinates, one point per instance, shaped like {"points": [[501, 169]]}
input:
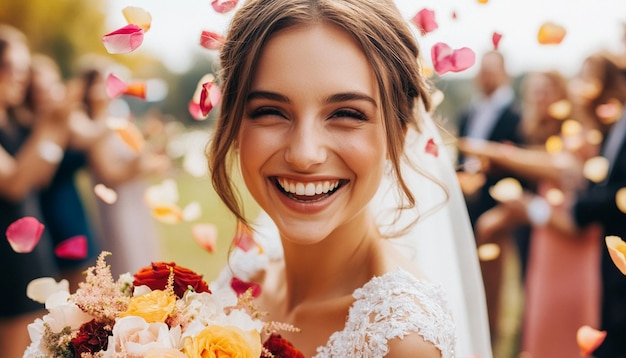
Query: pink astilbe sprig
{"points": [[99, 294], [273, 327]]}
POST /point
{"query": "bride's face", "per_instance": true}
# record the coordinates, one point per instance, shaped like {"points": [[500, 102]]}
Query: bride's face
{"points": [[312, 143]]}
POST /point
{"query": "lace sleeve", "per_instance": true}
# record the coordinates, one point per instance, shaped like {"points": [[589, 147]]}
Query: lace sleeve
{"points": [[392, 306]]}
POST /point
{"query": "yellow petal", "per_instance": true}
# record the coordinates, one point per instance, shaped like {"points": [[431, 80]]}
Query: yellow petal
{"points": [[551, 34], [168, 214], [589, 339], [488, 252], [506, 189], [560, 109], [138, 16], [596, 169], [617, 251], [620, 200]]}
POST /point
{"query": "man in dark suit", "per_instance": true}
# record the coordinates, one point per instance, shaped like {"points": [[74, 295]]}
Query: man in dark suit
{"points": [[493, 116], [598, 204]]}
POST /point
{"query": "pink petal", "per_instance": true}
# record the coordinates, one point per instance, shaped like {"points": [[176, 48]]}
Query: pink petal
{"points": [[495, 39], [211, 40], [240, 287], [205, 235], [195, 111], [589, 339], [74, 248], [447, 60], [223, 6], [425, 21], [115, 87], [24, 234], [124, 40], [432, 148], [244, 238]]}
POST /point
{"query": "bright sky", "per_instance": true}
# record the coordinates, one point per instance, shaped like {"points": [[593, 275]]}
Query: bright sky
{"points": [[591, 25]]}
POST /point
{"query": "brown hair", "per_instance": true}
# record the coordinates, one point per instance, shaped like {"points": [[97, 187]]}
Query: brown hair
{"points": [[379, 29]]}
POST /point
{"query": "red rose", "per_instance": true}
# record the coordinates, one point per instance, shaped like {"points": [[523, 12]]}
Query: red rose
{"points": [[281, 347], [92, 337], [156, 276]]}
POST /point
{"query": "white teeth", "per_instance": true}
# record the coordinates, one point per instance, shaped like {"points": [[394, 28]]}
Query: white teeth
{"points": [[307, 189]]}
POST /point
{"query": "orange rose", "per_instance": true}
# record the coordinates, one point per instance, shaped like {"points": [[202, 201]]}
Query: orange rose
{"points": [[156, 275]]}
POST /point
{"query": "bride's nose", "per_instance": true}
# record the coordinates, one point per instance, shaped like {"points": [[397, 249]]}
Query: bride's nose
{"points": [[306, 146]]}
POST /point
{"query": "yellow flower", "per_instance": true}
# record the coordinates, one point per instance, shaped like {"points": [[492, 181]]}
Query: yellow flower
{"points": [[224, 342], [155, 306]]}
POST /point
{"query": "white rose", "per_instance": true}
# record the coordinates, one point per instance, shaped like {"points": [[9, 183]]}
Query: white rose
{"points": [[133, 335], [63, 313]]}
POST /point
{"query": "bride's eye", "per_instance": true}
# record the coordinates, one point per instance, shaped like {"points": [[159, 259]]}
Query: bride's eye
{"points": [[349, 114], [265, 112]]}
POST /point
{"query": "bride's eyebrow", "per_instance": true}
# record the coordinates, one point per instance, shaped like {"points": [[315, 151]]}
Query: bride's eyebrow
{"points": [[267, 95], [334, 98]]}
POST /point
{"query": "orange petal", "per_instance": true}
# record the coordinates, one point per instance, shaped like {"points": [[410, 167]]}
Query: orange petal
{"points": [[168, 214], [205, 235], [138, 16], [596, 169], [620, 200], [506, 189], [136, 89], [551, 34], [589, 339], [617, 251], [560, 109], [105, 194], [483, 1]]}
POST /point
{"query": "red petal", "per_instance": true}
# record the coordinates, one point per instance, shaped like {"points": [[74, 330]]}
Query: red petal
{"points": [[223, 6], [115, 87], [195, 111], [425, 21], [240, 287], [447, 60], [209, 97], [211, 40], [124, 40], [495, 39], [74, 248], [24, 234], [432, 148], [454, 15]]}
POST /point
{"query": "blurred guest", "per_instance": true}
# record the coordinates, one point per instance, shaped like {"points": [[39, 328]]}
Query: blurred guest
{"points": [[29, 157], [126, 226], [493, 116]]}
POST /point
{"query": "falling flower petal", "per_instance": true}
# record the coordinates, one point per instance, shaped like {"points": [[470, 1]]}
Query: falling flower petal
{"points": [[164, 193], [195, 111], [124, 40], [74, 248], [554, 144], [596, 169], [483, 1], [129, 133], [105, 194], [167, 214], [209, 97], [425, 21], [617, 251], [495, 39], [211, 40], [192, 211], [138, 16], [555, 197], [560, 109], [24, 234], [610, 112], [447, 60], [136, 89], [41, 288], [620, 200], [244, 238], [506, 189], [240, 287], [551, 34], [589, 339], [454, 15], [223, 6], [432, 148], [205, 235], [115, 87], [488, 252]]}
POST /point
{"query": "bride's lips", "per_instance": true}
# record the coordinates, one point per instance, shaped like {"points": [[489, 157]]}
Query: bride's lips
{"points": [[307, 196]]}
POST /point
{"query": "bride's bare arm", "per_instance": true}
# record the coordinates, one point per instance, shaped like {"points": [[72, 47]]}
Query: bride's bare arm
{"points": [[412, 345]]}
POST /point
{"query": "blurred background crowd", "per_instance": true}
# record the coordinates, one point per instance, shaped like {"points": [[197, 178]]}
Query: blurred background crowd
{"points": [[540, 157]]}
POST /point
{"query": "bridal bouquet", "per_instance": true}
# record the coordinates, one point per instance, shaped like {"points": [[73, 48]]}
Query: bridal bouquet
{"points": [[163, 310]]}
